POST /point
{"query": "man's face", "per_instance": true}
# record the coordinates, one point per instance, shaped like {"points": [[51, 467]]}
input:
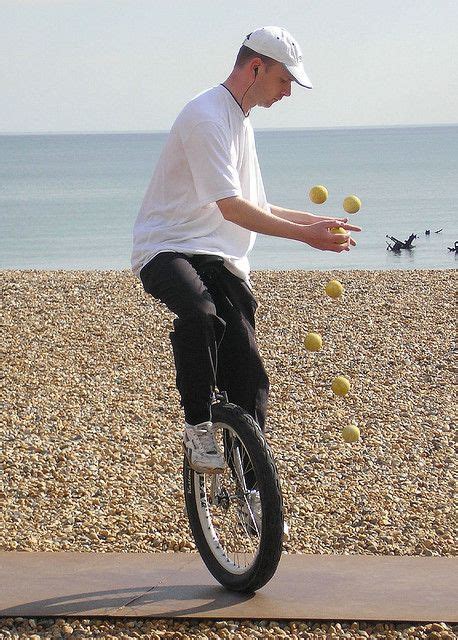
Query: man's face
{"points": [[274, 84]]}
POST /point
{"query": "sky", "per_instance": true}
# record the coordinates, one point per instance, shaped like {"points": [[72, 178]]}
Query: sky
{"points": [[131, 65]]}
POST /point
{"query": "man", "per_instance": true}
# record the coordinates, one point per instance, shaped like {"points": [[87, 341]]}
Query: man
{"points": [[198, 221]]}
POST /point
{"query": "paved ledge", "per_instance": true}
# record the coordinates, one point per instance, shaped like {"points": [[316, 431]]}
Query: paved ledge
{"points": [[178, 585]]}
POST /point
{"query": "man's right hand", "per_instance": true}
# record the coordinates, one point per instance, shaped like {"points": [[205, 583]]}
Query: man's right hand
{"points": [[320, 236]]}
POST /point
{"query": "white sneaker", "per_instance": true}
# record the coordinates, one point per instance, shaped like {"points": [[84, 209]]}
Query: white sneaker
{"points": [[201, 448], [252, 515]]}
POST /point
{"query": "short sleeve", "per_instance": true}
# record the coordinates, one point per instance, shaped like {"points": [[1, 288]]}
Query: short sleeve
{"points": [[208, 152]]}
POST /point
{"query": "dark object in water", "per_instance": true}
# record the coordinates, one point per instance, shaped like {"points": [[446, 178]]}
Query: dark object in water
{"points": [[455, 247], [427, 232], [439, 230], [399, 244]]}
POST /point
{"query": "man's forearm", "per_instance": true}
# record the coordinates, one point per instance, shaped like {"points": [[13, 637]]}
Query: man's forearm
{"points": [[299, 217], [317, 233], [246, 215]]}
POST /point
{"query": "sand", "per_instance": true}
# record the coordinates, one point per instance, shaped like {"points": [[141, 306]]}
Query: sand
{"points": [[91, 426]]}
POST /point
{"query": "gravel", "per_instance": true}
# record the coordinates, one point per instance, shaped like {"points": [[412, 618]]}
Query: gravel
{"points": [[91, 427]]}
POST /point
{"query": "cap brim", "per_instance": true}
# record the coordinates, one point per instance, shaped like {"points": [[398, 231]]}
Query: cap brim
{"points": [[298, 73]]}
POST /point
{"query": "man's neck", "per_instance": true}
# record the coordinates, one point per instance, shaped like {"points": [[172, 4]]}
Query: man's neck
{"points": [[238, 91]]}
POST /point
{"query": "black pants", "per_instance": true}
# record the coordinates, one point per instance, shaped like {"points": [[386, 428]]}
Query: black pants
{"points": [[214, 343]]}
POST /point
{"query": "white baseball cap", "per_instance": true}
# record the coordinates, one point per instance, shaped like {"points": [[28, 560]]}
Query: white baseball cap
{"points": [[278, 44]]}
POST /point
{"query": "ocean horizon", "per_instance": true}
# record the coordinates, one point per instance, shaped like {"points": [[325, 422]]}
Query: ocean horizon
{"points": [[256, 129]]}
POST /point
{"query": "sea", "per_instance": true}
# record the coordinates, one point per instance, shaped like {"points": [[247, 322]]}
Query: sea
{"points": [[69, 201]]}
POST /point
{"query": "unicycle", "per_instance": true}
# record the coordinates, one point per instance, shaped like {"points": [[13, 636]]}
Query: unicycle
{"points": [[236, 516]]}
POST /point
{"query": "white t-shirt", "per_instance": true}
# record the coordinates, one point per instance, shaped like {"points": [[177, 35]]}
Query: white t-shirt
{"points": [[210, 154]]}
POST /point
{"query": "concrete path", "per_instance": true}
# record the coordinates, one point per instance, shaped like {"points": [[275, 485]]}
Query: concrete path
{"points": [[178, 585]]}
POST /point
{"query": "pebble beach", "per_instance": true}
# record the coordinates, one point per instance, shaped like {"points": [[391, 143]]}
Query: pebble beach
{"points": [[90, 433]]}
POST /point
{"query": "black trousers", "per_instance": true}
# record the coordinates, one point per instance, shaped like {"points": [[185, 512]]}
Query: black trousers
{"points": [[214, 343]]}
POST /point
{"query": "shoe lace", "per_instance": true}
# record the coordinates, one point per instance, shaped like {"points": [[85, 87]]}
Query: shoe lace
{"points": [[206, 441]]}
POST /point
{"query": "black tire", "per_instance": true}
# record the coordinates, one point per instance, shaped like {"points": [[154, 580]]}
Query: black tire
{"points": [[230, 419]]}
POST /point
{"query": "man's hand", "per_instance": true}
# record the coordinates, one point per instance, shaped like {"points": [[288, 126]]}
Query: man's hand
{"points": [[320, 236]]}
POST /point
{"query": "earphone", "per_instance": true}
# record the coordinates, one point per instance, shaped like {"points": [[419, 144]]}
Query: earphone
{"points": [[255, 71]]}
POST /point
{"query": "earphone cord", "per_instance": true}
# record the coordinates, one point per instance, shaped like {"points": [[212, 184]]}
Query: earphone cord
{"points": [[241, 101]]}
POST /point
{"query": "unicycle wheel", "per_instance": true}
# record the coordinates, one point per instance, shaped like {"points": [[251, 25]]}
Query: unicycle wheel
{"points": [[236, 516]]}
